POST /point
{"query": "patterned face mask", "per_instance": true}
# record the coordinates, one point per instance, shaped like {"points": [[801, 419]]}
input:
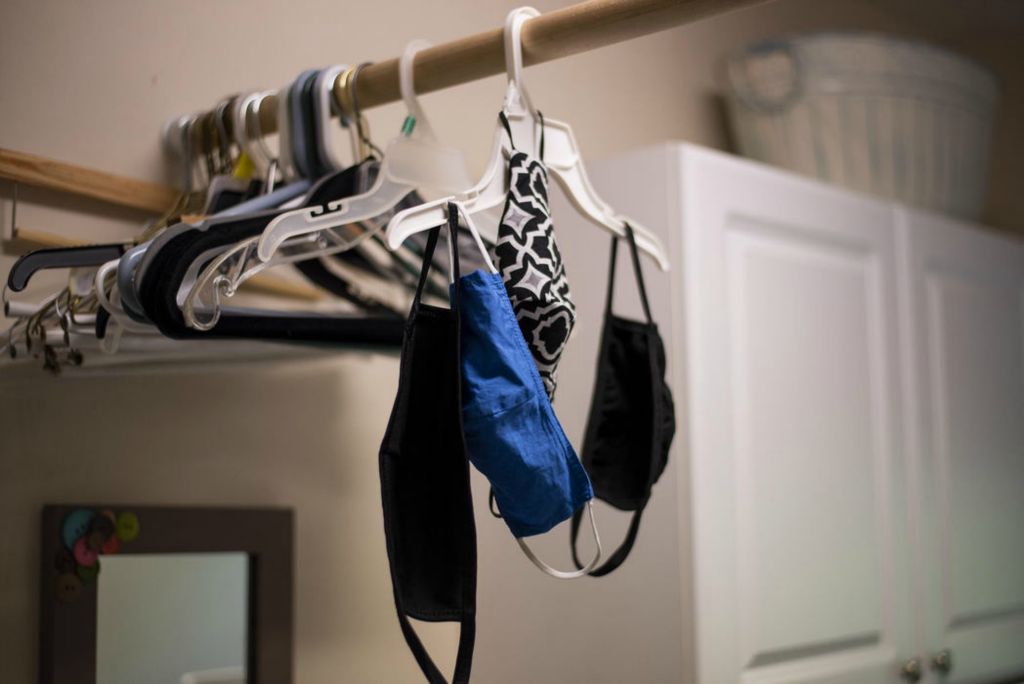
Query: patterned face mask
{"points": [[530, 264]]}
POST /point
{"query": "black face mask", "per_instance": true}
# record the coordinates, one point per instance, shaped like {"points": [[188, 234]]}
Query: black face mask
{"points": [[424, 481], [632, 415]]}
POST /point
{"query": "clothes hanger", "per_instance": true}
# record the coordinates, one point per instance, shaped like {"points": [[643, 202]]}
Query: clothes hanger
{"points": [[31, 263], [162, 282], [297, 144], [195, 294], [357, 265], [413, 159], [561, 156], [324, 88], [377, 267], [410, 161], [237, 109], [267, 205]]}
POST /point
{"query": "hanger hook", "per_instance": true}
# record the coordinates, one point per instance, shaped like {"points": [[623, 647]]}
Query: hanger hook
{"points": [[176, 142], [406, 84], [362, 127], [252, 119], [514, 50]]}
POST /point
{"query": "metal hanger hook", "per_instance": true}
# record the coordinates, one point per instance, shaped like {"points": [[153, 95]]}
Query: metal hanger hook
{"points": [[362, 127]]}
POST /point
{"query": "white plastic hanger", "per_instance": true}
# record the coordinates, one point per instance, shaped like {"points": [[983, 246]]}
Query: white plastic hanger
{"points": [[410, 162], [324, 87], [561, 156], [247, 136], [285, 165]]}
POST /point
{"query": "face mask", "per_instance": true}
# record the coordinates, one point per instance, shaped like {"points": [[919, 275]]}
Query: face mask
{"points": [[424, 479], [512, 434], [632, 415], [531, 265]]}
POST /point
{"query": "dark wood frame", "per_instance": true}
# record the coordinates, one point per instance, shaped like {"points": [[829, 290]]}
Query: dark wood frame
{"points": [[67, 649]]}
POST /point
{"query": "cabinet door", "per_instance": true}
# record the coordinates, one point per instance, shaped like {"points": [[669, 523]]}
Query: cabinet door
{"points": [[798, 474], [967, 393]]}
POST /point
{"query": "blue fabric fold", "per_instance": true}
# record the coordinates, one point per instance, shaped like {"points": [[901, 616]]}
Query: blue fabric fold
{"points": [[512, 434]]}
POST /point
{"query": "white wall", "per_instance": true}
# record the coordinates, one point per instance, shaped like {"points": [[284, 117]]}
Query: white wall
{"points": [[92, 83]]}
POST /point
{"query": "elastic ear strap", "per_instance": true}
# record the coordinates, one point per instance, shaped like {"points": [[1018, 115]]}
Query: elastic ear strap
{"points": [[463, 658], [453, 252], [561, 574], [428, 256], [619, 555], [508, 129], [639, 273], [611, 275], [540, 116]]}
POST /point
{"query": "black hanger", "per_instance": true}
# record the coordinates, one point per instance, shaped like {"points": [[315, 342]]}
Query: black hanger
{"points": [[59, 257], [162, 280]]}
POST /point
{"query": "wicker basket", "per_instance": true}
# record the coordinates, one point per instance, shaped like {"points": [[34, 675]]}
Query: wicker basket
{"points": [[898, 119]]}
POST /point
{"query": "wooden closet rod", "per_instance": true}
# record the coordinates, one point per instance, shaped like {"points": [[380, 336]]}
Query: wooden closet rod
{"points": [[559, 33], [31, 169]]}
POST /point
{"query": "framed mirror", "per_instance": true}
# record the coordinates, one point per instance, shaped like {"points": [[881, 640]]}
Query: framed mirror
{"points": [[134, 594]]}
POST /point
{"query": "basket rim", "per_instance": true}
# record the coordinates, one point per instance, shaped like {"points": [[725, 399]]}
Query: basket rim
{"points": [[993, 82]]}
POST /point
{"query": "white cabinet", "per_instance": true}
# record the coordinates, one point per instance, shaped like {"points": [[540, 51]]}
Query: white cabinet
{"points": [[850, 384], [965, 343], [798, 473]]}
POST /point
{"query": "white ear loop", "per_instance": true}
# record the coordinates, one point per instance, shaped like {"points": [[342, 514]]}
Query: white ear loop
{"points": [[562, 574]]}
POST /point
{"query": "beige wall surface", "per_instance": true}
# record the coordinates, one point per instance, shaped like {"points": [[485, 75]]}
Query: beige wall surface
{"points": [[92, 83]]}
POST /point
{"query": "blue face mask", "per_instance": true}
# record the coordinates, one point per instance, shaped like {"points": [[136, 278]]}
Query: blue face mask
{"points": [[511, 432]]}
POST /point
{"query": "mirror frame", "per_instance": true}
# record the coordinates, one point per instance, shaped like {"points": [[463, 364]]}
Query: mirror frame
{"points": [[67, 631]]}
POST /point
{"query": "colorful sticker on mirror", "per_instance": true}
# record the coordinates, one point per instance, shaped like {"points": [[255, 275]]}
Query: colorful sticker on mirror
{"points": [[86, 535]]}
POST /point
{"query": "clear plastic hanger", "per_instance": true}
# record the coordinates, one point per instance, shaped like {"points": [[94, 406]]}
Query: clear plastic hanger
{"points": [[561, 156], [410, 162]]}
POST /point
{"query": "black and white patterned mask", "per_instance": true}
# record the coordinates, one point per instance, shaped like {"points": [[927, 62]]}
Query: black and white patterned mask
{"points": [[526, 254]]}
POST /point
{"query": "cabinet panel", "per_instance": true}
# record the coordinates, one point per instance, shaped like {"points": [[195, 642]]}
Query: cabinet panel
{"points": [[797, 309], [967, 308], [798, 475]]}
